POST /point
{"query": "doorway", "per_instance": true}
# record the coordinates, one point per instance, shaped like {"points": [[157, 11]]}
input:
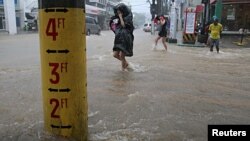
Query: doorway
{"points": [[2, 21]]}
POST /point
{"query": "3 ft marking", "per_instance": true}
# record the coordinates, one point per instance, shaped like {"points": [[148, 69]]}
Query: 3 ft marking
{"points": [[63, 102], [55, 73], [53, 25]]}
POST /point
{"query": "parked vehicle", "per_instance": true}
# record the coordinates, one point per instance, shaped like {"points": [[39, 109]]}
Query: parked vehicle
{"points": [[92, 27], [147, 27], [31, 25], [31, 22]]}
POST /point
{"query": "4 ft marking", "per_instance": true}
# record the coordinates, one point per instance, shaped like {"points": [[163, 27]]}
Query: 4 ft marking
{"points": [[53, 25], [57, 103]]}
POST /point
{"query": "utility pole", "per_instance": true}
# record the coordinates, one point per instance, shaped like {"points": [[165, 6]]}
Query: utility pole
{"points": [[153, 11], [205, 2], [63, 67], [173, 23], [159, 7]]}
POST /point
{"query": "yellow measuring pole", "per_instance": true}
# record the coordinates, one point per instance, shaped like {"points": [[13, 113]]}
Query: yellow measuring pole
{"points": [[63, 67]]}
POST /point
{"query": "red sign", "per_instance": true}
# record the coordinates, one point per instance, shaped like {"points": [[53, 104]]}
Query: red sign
{"points": [[199, 8], [212, 1]]}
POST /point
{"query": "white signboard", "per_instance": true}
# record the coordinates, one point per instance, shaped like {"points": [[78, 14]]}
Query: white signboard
{"points": [[190, 23]]}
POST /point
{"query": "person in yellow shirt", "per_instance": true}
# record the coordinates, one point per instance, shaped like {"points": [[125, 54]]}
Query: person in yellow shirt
{"points": [[215, 30]]}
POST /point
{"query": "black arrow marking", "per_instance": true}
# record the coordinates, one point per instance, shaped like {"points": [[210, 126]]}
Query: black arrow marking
{"points": [[51, 51], [53, 90], [49, 10], [57, 51], [63, 51], [65, 127], [62, 10], [59, 90], [64, 90]]}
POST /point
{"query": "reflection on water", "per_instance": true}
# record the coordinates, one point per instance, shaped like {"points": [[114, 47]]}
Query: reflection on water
{"points": [[97, 57], [134, 94], [132, 67], [132, 134], [220, 55]]}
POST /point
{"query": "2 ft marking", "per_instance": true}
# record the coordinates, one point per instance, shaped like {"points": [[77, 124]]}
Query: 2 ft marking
{"points": [[63, 102]]}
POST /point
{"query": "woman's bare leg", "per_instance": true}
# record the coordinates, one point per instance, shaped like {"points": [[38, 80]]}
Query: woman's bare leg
{"points": [[156, 40], [164, 42], [116, 54], [124, 61]]}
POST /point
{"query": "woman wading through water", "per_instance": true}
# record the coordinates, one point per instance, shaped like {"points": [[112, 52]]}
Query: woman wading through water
{"points": [[122, 25]]}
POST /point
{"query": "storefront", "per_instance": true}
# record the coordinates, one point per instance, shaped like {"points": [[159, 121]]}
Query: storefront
{"points": [[235, 14], [2, 21], [97, 13], [10, 18]]}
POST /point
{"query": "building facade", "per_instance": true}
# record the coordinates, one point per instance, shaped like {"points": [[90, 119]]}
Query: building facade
{"points": [[13, 13], [235, 14], [2, 17], [101, 10], [10, 16], [97, 10]]}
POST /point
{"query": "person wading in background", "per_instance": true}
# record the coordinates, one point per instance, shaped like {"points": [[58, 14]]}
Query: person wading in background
{"points": [[162, 32], [215, 30]]}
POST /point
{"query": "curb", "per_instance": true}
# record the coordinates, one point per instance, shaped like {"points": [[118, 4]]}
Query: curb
{"points": [[190, 45]]}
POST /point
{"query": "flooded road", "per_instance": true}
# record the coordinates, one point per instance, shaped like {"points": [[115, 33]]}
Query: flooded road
{"points": [[163, 96]]}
